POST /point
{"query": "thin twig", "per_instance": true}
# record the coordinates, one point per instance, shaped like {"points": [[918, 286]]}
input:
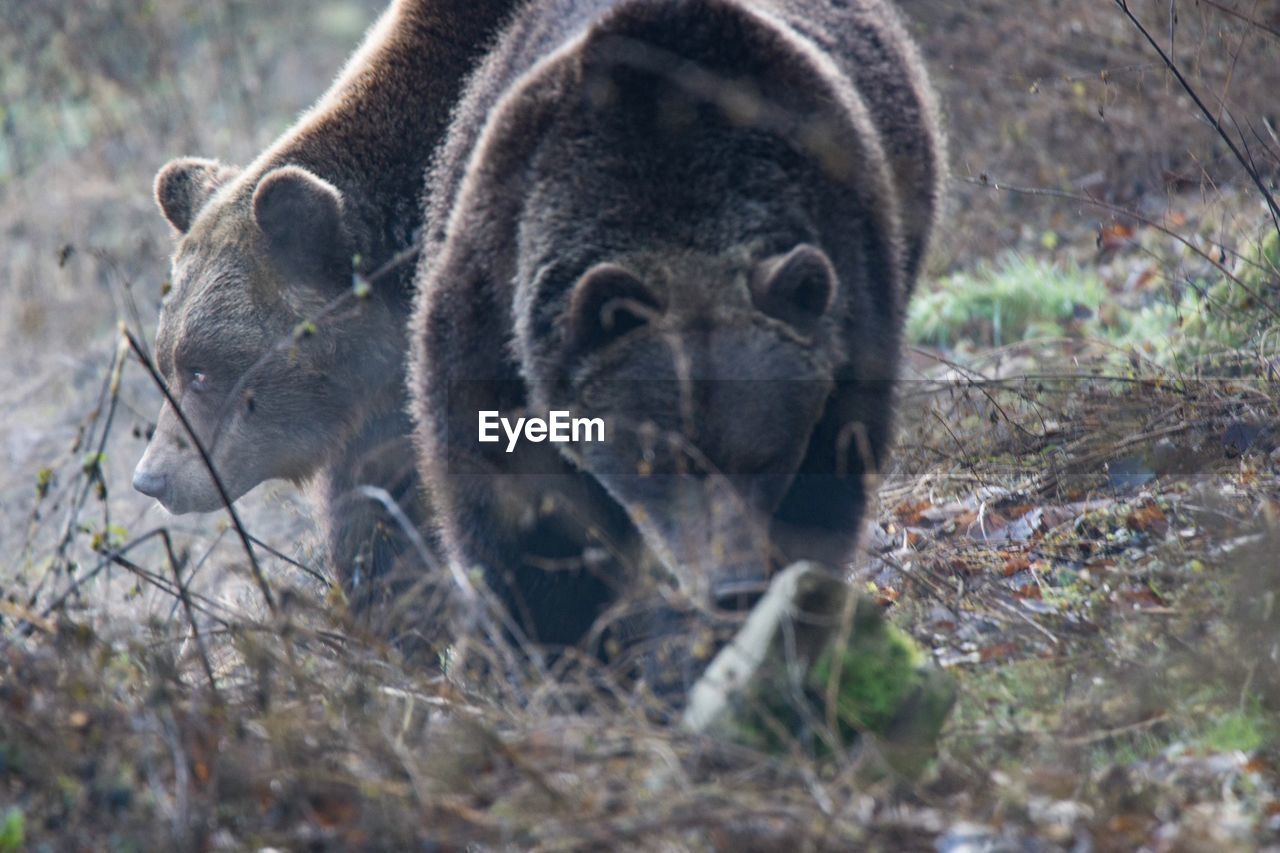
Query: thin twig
{"points": [[162, 584], [1236, 14], [297, 564], [93, 473], [185, 597], [83, 578]]}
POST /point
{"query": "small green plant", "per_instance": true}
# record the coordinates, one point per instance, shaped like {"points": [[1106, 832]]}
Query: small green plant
{"points": [[1223, 314], [994, 304], [1260, 267], [13, 830], [1243, 730]]}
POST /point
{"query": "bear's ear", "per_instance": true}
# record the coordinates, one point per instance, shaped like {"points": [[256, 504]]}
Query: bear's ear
{"points": [[797, 288], [185, 184], [300, 214], [608, 302]]}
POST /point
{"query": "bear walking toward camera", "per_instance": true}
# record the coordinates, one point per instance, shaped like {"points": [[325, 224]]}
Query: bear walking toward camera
{"points": [[699, 222], [283, 368]]}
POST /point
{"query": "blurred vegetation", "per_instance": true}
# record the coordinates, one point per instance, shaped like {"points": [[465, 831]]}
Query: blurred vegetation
{"points": [[95, 96], [1066, 95], [1224, 308], [117, 75], [1010, 300]]}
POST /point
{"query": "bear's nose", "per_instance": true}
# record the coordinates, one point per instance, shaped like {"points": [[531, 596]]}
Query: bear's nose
{"points": [[150, 484]]}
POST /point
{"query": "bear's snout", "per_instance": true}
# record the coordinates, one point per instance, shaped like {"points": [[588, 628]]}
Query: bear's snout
{"points": [[150, 483], [177, 478]]}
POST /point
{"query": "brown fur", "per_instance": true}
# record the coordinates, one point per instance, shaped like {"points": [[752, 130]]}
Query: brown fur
{"points": [[734, 196], [282, 369]]}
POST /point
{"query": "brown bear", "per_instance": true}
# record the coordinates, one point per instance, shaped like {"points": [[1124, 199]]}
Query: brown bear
{"points": [[282, 337], [697, 223]]}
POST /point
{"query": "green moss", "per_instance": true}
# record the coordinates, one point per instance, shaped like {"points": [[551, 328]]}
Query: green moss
{"points": [[882, 688], [877, 669]]}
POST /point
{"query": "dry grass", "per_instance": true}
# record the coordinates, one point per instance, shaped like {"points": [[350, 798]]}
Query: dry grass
{"points": [[1086, 541]]}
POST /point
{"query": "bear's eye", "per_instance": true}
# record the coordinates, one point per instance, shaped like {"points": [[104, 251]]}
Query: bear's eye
{"points": [[198, 381]]}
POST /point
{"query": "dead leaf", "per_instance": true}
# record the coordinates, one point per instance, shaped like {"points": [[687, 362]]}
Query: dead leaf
{"points": [[332, 810], [886, 595], [1016, 563], [1141, 598], [998, 651], [1148, 518], [912, 513], [1114, 236]]}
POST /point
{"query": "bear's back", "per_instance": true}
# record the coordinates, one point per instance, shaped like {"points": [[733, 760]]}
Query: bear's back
{"points": [[869, 42], [537, 29], [864, 39]]}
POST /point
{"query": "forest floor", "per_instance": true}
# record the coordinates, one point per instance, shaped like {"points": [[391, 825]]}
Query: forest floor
{"points": [[1080, 527]]}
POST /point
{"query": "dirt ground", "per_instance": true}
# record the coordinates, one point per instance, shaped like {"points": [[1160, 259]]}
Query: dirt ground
{"points": [[1080, 529]]}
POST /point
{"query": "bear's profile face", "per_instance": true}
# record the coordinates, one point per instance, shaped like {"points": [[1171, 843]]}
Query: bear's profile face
{"points": [[246, 341], [709, 378]]}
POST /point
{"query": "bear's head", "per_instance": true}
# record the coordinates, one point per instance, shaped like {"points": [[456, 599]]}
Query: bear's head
{"points": [[257, 333], [709, 374], [693, 271]]}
